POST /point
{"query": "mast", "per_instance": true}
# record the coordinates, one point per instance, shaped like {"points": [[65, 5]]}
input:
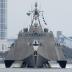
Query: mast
{"points": [[36, 15]]}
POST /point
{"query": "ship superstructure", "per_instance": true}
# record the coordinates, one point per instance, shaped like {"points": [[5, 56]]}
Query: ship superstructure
{"points": [[35, 46]]}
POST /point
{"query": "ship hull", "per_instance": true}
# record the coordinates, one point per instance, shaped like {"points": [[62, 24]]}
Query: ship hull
{"points": [[33, 61]]}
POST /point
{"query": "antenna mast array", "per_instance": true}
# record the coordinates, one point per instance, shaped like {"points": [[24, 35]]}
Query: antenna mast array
{"points": [[36, 14]]}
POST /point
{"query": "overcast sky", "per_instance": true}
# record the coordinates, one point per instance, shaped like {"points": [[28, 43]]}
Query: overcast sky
{"points": [[58, 15]]}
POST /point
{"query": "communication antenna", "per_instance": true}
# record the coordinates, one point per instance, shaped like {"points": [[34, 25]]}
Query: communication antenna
{"points": [[36, 14]]}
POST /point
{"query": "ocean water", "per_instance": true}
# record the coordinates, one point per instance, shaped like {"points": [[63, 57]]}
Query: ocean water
{"points": [[34, 70], [55, 68]]}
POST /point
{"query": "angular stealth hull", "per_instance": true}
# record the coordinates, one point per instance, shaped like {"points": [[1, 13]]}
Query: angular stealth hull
{"points": [[35, 47]]}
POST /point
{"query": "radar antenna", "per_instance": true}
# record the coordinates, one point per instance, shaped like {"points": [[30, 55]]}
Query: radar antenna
{"points": [[36, 14]]}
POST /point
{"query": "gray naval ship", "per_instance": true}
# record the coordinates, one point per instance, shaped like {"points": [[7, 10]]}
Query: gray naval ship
{"points": [[35, 47]]}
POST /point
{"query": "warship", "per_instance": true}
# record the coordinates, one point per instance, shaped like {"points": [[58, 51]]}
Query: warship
{"points": [[35, 46]]}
